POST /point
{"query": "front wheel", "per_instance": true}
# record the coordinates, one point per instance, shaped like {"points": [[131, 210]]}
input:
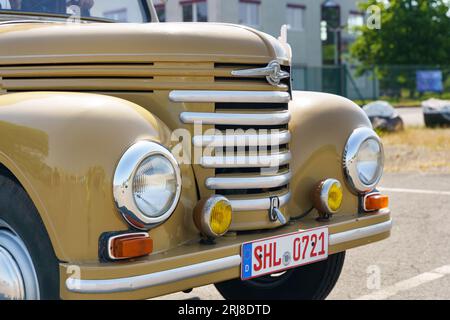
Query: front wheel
{"points": [[310, 282], [28, 266]]}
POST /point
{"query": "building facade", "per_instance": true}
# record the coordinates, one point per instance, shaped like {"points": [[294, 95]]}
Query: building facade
{"points": [[308, 33]]}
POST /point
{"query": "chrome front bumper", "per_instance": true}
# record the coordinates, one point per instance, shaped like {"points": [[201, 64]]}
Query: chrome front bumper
{"points": [[129, 284]]}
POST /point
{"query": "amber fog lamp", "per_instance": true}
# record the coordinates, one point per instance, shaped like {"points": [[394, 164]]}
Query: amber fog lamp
{"points": [[213, 216], [328, 196], [130, 246], [375, 201]]}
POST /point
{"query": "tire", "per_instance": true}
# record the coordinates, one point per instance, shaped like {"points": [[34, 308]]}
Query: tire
{"points": [[430, 121], [436, 120], [398, 124], [26, 253], [310, 282]]}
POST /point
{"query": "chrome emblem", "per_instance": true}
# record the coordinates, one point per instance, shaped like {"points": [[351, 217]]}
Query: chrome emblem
{"points": [[273, 73]]}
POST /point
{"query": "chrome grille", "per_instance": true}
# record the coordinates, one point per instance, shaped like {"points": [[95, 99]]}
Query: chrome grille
{"points": [[237, 170]]}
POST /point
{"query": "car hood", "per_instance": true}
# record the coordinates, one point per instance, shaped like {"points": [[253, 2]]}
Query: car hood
{"points": [[104, 42]]}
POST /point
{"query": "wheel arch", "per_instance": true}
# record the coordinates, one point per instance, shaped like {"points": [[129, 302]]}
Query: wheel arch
{"points": [[9, 170]]}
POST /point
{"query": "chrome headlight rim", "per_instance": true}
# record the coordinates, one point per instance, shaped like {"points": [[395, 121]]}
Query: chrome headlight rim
{"points": [[358, 137], [123, 184]]}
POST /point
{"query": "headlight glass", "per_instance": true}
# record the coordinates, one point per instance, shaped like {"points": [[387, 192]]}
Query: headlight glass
{"points": [[363, 160], [154, 186], [369, 161]]}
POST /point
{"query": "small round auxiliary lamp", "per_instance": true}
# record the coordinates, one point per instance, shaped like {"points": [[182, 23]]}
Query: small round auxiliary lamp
{"points": [[213, 217], [327, 198]]}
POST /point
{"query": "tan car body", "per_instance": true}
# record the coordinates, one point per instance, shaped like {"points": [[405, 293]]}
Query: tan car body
{"points": [[75, 97]]}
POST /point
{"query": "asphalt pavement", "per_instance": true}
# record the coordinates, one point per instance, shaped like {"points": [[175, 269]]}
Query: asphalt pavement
{"points": [[414, 263], [412, 117]]}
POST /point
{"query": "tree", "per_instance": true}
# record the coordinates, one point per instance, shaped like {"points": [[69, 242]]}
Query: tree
{"points": [[413, 32]]}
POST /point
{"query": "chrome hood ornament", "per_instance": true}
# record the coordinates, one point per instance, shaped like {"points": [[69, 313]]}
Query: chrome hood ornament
{"points": [[273, 73]]}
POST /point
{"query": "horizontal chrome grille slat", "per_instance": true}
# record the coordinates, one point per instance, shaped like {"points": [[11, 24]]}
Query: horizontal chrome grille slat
{"points": [[249, 147], [257, 204], [245, 119], [245, 182], [229, 96], [249, 161], [245, 140]]}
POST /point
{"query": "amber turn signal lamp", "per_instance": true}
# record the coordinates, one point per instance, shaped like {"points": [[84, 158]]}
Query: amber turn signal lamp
{"points": [[129, 246], [376, 201]]}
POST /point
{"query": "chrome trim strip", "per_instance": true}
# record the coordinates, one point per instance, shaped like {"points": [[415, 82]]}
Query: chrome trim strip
{"points": [[229, 96], [152, 279], [257, 161], [360, 233], [3, 23], [228, 183], [257, 204], [257, 119], [229, 140]]}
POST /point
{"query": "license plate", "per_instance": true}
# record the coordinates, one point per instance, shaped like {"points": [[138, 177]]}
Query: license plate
{"points": [[284, 252]]}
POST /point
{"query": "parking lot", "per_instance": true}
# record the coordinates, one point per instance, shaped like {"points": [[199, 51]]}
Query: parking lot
{"points": [[413, 264], [412, 117]]}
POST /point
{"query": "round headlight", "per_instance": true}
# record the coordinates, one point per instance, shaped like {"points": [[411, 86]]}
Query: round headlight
{"points": [[363, 160], [147, 184]]}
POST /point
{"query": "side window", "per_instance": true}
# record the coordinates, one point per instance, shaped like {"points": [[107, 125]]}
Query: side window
{"points": [[4, 4], [355, 20], [295, 17], [249, 13], [161, 11], [195, 11]]}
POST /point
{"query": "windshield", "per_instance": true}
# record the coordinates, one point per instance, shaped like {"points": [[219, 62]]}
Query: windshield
{"points": [[117, 10]]}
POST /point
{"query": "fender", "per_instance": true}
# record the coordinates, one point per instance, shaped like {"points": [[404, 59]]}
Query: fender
{"points": [[64, 147], [320, 126]]}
